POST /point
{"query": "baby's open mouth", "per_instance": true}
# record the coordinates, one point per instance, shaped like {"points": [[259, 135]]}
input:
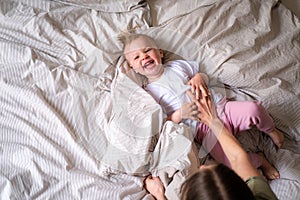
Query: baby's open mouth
{"points": [[148, 63]]}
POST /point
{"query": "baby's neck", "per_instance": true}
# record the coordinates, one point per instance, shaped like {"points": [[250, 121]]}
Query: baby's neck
{"points": [[155, 78], [151, 80]]}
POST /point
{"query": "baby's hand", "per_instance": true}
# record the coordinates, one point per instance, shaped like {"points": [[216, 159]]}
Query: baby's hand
{"points": [[198, 86], [206, 109], [190, 111]]}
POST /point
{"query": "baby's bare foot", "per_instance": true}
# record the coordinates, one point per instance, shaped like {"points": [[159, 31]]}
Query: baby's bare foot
{"points": [[267, 168], [277, 137]]}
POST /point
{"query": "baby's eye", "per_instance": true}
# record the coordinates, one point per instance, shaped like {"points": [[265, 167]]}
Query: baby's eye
{"points": [[147, 50], [136, 57]]}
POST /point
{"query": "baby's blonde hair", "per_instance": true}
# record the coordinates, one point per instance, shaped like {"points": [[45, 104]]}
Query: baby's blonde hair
{"points": [[127, 38]]}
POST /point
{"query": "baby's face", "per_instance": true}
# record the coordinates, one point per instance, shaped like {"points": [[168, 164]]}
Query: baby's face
{"points": [[144, 56]]}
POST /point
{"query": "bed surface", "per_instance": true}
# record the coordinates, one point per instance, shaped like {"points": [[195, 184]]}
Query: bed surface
{"points": [[64, 103]]}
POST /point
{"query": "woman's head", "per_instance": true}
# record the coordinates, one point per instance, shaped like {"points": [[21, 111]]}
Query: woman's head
{"points": [[215, 182], [142, 54]]}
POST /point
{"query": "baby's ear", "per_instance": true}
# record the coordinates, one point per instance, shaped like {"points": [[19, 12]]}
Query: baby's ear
{"points": [[128, 64], [125, 66], [161, 53]]}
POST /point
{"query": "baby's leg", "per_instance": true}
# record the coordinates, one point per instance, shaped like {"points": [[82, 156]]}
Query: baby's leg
{"points": [[277, 137], [210, 144], [242, 115]]}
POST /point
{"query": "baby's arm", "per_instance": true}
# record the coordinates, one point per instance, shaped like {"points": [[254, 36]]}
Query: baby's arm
{"points": [[187, 111], [199, 84]]}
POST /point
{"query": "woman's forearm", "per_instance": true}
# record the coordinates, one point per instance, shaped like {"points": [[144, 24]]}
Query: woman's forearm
{"points": [[230, 145], [236, 155]]}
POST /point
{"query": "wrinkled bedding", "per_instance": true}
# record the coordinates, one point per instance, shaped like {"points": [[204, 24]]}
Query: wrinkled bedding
{"points": [[75, 122]]}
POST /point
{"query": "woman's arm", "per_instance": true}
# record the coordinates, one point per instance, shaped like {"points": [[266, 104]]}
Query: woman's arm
{"points": [[237, 156]]}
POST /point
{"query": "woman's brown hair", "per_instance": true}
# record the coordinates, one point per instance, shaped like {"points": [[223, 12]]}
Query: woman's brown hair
{"points": [[217, 182]]}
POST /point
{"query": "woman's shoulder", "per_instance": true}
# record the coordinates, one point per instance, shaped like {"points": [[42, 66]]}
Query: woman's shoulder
{"points": [[260, 188]]}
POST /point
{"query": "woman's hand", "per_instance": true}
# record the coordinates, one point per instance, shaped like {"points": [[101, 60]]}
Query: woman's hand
{"points": [[198, 86], [206, 110], [155, 187]]}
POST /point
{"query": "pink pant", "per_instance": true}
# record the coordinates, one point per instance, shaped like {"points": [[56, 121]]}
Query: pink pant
{"points": [[237, 116]]}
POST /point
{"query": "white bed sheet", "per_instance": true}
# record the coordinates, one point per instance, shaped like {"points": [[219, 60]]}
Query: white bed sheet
{"points": [[58, 63]]}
